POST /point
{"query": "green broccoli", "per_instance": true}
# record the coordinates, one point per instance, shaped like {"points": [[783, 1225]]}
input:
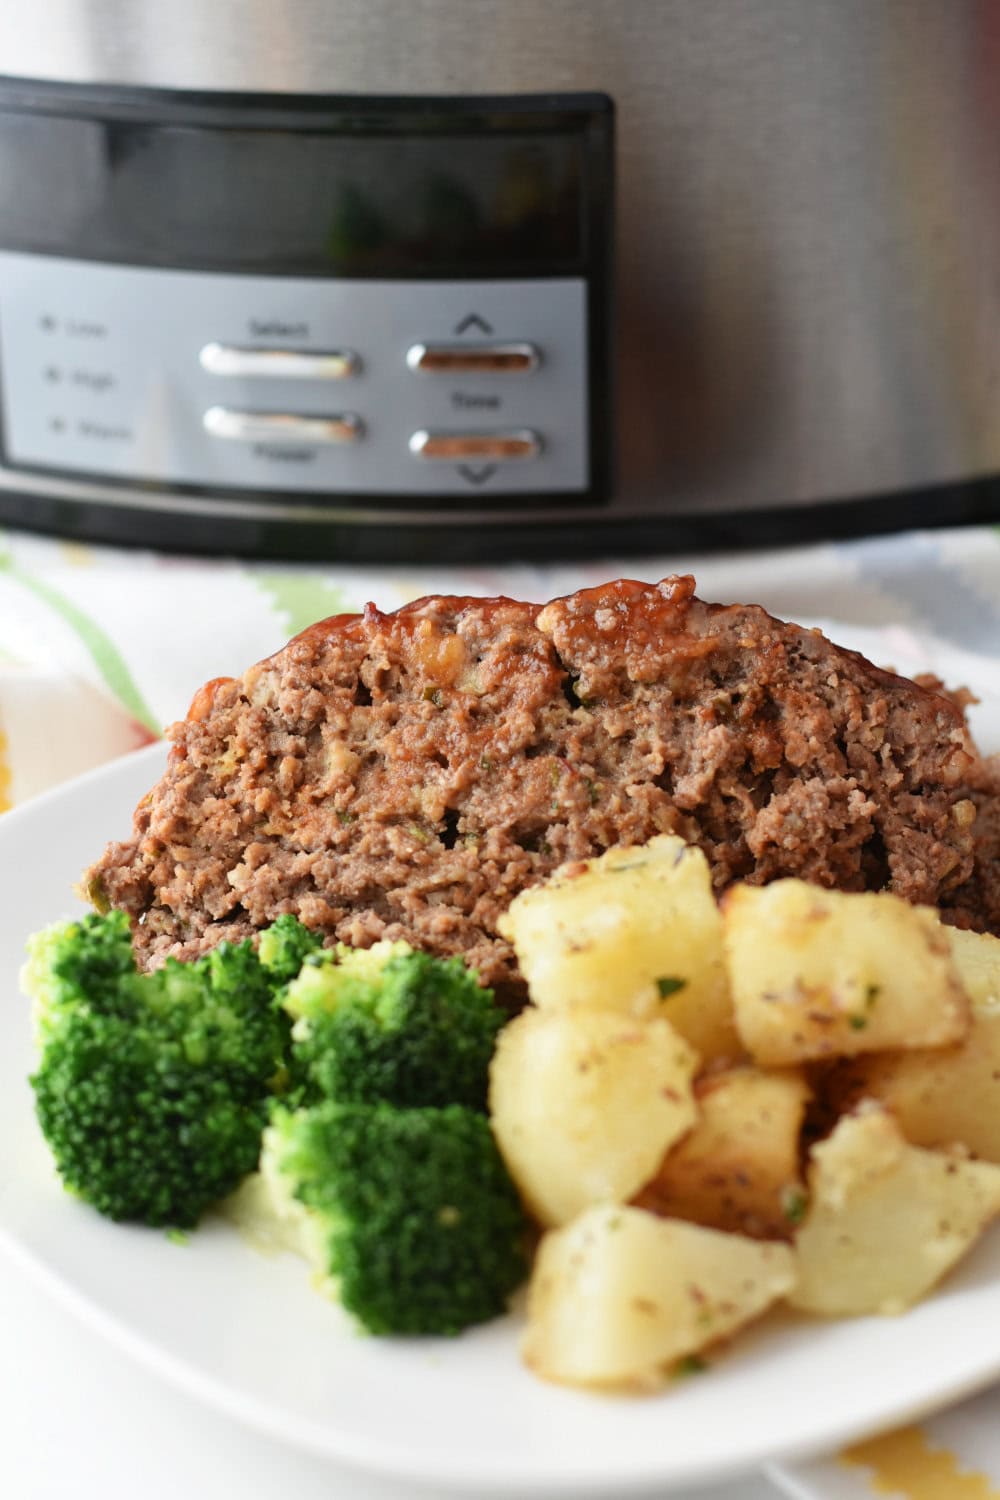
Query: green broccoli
{"points": [[283, 947], [387, 1023], [71, 963], [408, 1214], [152, 1090]]}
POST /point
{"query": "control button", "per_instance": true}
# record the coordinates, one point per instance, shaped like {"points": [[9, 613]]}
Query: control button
{"points": [[473, 359], [473, 320], [278, 426], [279, 364], [495, 447]]}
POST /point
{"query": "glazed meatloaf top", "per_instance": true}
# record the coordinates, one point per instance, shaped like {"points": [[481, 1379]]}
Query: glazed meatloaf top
{"points": [[405, 775]]}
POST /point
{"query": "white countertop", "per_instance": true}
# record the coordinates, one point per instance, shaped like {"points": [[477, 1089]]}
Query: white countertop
{"points": [[82, 1419]]}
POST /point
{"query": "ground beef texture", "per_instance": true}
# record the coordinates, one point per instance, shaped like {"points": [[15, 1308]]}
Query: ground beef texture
{"points": [[404, 775]]}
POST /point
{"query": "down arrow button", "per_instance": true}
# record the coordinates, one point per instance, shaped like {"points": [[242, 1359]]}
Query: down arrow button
{"points": [[477, 476]]}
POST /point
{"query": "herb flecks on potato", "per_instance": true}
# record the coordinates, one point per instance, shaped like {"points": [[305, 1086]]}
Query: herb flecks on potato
{"points": [[738, 1168], [819, 974], [636, 930], [584, 1104], [886, 1220], [619, 1296]]}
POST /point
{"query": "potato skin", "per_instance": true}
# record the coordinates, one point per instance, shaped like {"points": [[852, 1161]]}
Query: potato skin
{"points": [[738, 1169]]}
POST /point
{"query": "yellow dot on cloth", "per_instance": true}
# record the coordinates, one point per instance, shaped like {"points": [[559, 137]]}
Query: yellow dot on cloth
{"points": [[904, 1464], [6, 802], [77, 554]]}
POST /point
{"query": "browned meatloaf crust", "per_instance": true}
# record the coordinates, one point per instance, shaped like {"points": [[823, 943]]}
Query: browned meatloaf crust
{"points": [[405, 775]]}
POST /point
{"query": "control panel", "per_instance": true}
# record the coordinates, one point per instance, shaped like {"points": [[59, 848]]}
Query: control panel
{"points": [[364, 387]]}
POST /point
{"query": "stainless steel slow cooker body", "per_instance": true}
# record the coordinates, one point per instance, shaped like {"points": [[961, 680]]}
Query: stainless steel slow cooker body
{"points": [[803, 322]]}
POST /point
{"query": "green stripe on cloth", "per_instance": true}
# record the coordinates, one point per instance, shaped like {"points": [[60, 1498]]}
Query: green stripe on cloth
{"points": [[104, 653], [300, 598]]}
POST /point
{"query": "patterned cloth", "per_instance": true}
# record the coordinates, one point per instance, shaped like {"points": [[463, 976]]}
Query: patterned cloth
{"points": [[954, 1455], [101, 648]]}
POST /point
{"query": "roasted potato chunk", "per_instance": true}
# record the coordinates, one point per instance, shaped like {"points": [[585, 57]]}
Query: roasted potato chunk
{"points": [[821, 974], [584, 1103], [976, 956], [618, 1295], [886, 1220], [738, 1168], [941, 1097], [949, 1095], [636, 930]]}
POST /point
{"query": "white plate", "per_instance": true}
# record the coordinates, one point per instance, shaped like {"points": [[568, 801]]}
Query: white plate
{"points": [[249, 1335]]}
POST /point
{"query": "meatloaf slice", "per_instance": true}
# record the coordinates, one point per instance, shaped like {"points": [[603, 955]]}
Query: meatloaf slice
{"points": [[405, 775]]}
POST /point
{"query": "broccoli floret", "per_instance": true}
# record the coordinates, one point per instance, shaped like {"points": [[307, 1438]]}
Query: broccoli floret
{"points": [[408, 1215], [73, 962], [152, 1089], [284, 946], [391, 1024]]}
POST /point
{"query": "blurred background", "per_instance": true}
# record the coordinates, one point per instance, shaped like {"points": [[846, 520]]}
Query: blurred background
{"points": [[424, 279]]}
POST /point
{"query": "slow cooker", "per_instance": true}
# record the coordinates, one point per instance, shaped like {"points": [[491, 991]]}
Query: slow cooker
{"points": [[463, 278]]}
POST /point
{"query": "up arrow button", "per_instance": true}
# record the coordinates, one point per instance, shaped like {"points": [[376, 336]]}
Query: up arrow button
{"points": [[473, 320]]}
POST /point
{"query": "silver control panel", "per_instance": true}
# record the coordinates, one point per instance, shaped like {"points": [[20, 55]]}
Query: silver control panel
{"points": [[283, 383]]}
